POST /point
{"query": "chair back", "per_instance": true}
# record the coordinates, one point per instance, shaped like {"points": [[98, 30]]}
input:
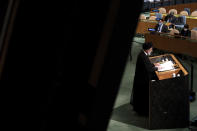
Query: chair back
{"points": [[142, 17], [152, 18], [162, 10], [194, 13], [173, 10], [194, 34], [184, 13]]}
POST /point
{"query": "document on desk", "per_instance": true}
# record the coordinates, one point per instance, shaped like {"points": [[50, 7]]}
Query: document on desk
{"points": [[167, 65]]}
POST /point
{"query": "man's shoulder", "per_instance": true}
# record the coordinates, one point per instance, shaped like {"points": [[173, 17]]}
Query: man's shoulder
{"points": [[142, 54], [165, 25]]}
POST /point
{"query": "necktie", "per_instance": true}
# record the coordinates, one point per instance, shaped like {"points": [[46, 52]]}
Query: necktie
{"points": [[160, 28]]}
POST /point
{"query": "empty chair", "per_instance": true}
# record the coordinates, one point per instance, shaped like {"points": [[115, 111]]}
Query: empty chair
{"points": [[194, 13], [162, 10], [159, 15], [152, 18], [194, 34], [173, 10], [185, 13], [142, 17], [188, 10]]}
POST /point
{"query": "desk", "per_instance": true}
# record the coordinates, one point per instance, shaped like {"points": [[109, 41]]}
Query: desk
{"points": [[143, 25], [192, 22], [172, 44]]}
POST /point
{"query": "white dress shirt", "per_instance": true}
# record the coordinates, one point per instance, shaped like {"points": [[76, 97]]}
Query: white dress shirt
{"points": [[160, 27]]}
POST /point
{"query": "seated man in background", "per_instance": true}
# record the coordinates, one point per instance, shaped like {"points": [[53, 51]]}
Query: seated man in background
{"points": [[185, 31], [170, 18], [161, 27]]}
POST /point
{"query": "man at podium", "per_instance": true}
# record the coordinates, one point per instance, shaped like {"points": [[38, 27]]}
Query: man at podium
{"points": [[144, 72]]}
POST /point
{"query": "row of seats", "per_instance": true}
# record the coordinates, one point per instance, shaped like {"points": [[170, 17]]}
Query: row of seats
{"points": [[175, 31], [158, 15], [185, 12], [148, 5]]}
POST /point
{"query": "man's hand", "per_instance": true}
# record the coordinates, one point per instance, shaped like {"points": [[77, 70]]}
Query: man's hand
{"points": [[156, 64], [159, 67]]}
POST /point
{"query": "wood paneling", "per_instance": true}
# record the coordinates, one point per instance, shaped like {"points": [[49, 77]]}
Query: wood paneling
{"points": [[143, 26], [172, 44], [192, 23]]}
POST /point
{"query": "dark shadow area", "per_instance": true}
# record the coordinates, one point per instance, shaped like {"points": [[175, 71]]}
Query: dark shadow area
{"points": [[3, 8], [52, 51], [127, 115]]}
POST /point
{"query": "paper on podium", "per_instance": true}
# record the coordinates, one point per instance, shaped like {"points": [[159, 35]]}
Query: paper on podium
{"points": [[167, 65]]}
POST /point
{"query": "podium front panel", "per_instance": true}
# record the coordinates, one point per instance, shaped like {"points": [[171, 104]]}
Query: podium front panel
{"points": [[169, 103]]}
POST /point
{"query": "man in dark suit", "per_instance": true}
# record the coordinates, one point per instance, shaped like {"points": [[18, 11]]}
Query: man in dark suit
{"points": [[144, 72], [185, 31], [171, 18], [161, 27]]}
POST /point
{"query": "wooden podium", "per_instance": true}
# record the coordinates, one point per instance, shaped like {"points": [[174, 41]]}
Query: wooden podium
{"points": [[169, 96]]}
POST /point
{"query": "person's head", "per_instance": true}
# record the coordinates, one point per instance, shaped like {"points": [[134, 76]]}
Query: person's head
{"points": [[172, 26], [186, 27], [171, 13], [161, 21], [148, 47]]}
